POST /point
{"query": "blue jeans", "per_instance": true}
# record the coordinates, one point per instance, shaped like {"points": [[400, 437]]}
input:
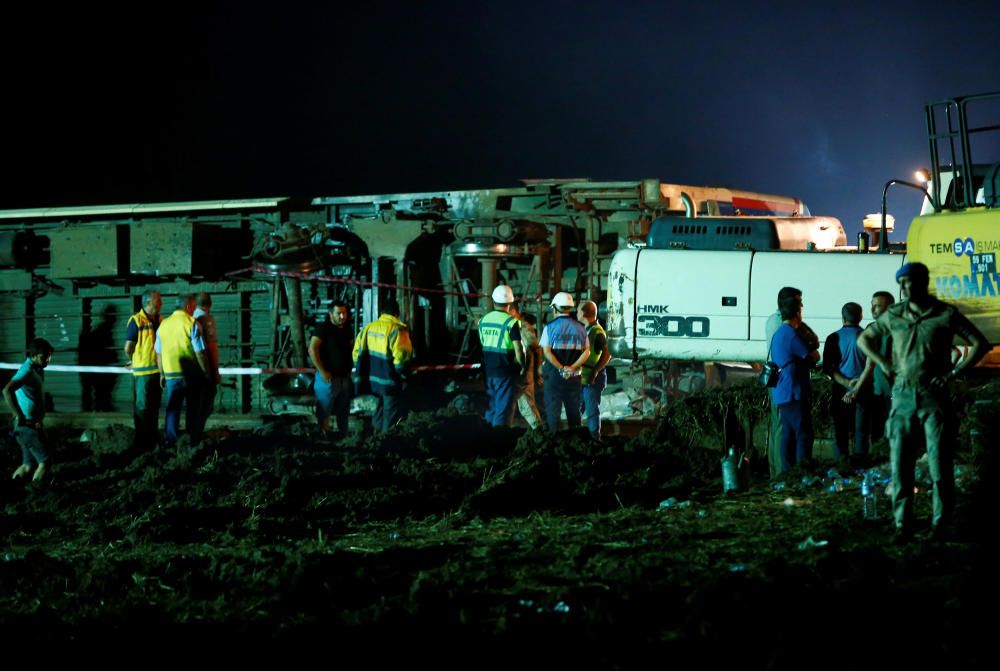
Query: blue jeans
{"points": [[182, 393], [32, 443], [561, 393], [333, 399], [502, 393], [592, 403], [797, 431]]}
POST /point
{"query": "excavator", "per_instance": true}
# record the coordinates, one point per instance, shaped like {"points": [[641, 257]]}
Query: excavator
{"points": [[703, 288]]}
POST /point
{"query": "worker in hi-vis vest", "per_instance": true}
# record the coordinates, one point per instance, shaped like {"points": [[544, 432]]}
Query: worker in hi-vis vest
{"points": [[592, 375], [381, 353], [140, 340], [503, 356], [184, 368]]}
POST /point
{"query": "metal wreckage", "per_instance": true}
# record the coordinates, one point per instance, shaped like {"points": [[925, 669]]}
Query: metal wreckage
{"points": [[73, 275]]}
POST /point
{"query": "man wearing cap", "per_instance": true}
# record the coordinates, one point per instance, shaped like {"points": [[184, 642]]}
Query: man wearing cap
{"points": [[566, 349], [593, 376], [922, 329], [503, 356]]}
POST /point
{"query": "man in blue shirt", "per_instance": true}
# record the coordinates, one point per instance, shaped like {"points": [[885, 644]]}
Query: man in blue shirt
{"points": [[566, 348], [26, 397], [774, 430], [844, 362], [795, 349]]}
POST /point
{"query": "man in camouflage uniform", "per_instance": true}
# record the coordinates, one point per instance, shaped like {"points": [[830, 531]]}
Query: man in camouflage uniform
{"points": [[922, 329]]}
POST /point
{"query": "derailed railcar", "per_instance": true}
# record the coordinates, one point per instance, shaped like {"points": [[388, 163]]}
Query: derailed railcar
{"points": [[275, 265], [74, 275]]}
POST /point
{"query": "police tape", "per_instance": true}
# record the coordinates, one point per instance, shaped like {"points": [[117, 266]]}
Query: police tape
{"points": [[121, 370]]}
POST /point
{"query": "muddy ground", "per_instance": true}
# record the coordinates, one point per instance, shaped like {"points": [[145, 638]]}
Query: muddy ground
{"points": [[448, 543]]}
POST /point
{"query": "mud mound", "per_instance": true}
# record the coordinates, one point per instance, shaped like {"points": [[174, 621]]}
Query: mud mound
{"points": [[445, 538]]}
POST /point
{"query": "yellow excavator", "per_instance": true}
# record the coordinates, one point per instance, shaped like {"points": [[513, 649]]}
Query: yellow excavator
{"points": [[957, 234]]}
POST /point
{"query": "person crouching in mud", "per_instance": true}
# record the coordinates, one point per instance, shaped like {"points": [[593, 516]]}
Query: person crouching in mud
{"points": [[26, 398]]}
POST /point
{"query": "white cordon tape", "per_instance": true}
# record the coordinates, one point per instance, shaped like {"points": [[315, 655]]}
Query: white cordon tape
{"points": [[120, 370]]}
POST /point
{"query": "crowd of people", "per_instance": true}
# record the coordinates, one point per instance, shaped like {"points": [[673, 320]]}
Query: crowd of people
{"points": [[571, 355], [889, 379], [177, 356], [568, 360]]}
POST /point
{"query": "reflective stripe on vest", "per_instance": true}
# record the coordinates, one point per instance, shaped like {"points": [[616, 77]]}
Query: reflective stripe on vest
{"points": [[587, 372], [175, 343], [380, 354], [144, 356]]}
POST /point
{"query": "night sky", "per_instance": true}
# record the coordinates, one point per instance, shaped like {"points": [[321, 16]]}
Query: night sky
{"points": [[822, 101]]}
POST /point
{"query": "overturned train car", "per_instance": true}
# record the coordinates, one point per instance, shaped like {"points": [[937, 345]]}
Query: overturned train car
{"points": [[74, 275]]}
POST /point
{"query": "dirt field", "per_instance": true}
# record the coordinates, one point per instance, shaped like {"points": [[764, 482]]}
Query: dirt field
{"points": [[448, 543]]}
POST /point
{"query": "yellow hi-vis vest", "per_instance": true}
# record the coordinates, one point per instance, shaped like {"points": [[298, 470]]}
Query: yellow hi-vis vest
{"points": [[176, 350], [380, 355], [144, 356], [587, 371]]}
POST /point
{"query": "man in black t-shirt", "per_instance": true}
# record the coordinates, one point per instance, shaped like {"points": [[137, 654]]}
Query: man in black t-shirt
{"points": [[330, 351]]}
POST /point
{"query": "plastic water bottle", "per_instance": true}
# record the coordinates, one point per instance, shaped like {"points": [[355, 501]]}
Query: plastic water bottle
{"points": [[869, 495], [730, 472]]}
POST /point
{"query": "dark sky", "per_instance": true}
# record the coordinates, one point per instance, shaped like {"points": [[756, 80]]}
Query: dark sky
{"points": [[823, 101]]}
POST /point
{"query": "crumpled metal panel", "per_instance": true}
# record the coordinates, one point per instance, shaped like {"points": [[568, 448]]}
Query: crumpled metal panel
{"points": [[161, 248]]}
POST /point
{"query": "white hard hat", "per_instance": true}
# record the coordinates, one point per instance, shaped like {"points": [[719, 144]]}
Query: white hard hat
{"points": [[503, 294], [562, 300]]}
